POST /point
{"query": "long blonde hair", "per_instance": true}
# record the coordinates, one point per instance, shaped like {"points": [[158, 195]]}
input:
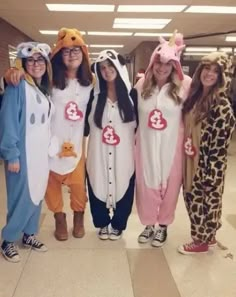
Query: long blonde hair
{"points": [[150, 84]]}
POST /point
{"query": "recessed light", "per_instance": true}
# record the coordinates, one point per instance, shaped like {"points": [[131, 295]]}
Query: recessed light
{"points": [[106, 45], [152, 34], [151, 8], [81, 7], [230, 38], [194, 54], [200, 49], [226, 49], [211, 9], [55, 32], [140, 23], [109, 33]]}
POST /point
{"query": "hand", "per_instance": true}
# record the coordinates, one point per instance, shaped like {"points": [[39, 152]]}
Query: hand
{"points": [[13, 76], [14, 167]]}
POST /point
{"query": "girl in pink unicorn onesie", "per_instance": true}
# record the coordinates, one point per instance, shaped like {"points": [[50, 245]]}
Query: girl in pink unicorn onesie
{"points": [[159, 144]]}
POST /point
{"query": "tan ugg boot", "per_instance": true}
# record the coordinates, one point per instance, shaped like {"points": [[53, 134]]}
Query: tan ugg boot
{"points": [[78, 228], [61, 232]]}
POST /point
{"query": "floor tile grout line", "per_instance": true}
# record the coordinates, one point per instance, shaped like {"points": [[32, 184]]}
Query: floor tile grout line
{"points": [[27, 259], [169, 268], [130, 272]]}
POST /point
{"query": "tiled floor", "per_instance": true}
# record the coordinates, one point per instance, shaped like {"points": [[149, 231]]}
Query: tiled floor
{"points": [[89, 267]]}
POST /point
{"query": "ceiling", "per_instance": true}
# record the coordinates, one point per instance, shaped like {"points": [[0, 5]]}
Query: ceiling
{"points": [[31, 16]]}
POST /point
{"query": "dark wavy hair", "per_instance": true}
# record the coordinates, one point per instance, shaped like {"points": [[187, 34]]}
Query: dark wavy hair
{"points": [[196, 99], [126, 108], [84, 74], [45, 85]]}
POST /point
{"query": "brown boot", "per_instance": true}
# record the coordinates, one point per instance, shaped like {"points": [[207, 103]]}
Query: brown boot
{"points": [[61, 232], [78, 229]]}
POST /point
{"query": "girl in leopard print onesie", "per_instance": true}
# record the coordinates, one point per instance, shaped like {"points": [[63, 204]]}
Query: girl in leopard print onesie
{"points": [[209, 123]]}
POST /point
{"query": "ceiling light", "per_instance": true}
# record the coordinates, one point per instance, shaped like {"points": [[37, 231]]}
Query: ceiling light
{"points": [[106, 45], [200, 49], [194, 54], [140, 23], [230, 38], [211, 9], [54, 32], [151, 8], [80, 7], [153, 34], [94, 53], [138, 26], [225, 49], [110, 33]]}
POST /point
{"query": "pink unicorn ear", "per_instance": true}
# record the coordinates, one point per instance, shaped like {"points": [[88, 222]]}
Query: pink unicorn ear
{"points": [[161, 39], [180, 48], [179, 39]]}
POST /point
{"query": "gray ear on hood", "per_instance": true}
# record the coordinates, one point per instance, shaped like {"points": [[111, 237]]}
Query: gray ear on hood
{"points": [[121, 59]]}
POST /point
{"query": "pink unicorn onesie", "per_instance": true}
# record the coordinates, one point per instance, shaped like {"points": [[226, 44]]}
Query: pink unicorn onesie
{"points": [[159, 143]]}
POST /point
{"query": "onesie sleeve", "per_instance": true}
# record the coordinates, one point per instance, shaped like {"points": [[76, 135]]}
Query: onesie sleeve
{"points": [[10, 114]]}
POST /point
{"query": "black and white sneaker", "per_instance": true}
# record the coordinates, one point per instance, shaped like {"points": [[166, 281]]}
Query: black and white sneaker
{"points": [[147, 234], [160, 237], [30, 241], [9, 251], [103, 233], [115, 234]]}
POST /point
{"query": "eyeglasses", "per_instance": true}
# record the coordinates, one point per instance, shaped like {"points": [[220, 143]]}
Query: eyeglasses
{"points": [[31, 61], [67, 51]]}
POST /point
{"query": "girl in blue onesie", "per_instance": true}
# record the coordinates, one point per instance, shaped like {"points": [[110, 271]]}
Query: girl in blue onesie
{"points": [[24, 140]]}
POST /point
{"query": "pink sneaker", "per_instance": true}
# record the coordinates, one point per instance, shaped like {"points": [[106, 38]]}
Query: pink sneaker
{"points": [[193, 248], [212, 243]]}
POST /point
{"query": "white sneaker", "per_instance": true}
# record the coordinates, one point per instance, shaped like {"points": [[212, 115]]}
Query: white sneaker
{"points": [[115, 234], [103, 233], [147, 234], [160, 237]]}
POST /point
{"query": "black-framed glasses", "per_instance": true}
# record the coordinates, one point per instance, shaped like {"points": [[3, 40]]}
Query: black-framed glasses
{"points": [[66, 51], [31, 61]]}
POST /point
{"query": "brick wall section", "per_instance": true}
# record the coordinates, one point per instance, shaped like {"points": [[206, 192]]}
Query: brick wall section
{"points": [[9, 35]]}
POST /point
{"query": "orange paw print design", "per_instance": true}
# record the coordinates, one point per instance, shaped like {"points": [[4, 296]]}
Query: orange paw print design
{"points": [[67, 150]]}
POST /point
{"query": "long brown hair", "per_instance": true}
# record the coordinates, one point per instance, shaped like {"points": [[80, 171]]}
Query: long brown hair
{"points": [[196, 99], [150, 84], [125, 106], [84, 74]]}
